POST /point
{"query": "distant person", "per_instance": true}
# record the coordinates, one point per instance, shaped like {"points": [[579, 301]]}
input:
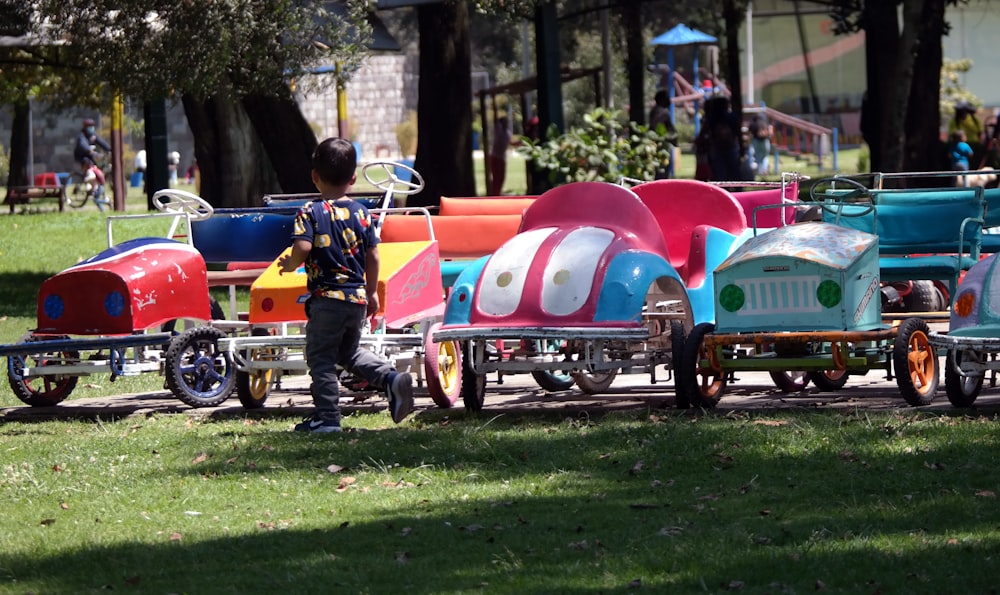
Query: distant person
{"points": [[191, 173], [85, 154], [140, 162], [959, 153], [965, 119], [725, 139], [498, 155], [335, 239], [660, 121], [173, 162], [761, 132]]}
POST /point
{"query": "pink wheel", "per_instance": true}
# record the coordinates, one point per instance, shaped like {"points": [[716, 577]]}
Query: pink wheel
{"points": [[443, 369]]}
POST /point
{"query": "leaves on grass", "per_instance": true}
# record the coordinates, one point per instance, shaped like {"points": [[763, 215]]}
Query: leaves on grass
{"points": [[637, 468], [175, 536], [200, 459], [769, 422], [47, 522], [57, 468], [334, 468], [345, 483], [402, 557], [671, 531], [64, 505], [635, 583], [986, 494]]}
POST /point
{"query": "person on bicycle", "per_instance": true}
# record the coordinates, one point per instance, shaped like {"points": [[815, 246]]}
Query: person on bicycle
{"points": [[85, 154]]}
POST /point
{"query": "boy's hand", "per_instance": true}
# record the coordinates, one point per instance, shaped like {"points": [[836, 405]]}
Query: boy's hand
{"points": [[286, 265], [372, 305]]}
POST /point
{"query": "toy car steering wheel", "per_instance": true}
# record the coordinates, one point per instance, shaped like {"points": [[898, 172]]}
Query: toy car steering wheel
{"points": [[170, 200], [392, 182], [859, 191]]}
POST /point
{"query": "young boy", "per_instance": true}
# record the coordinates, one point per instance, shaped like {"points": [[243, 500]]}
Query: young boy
{"points": [[335, 239]]}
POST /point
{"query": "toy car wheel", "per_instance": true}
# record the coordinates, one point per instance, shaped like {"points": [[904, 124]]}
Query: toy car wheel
{"points": [[924, 296], [594, 383], [703, 385], [443, 369], [549, 380], [681, 400], [253, 388], [197, 372], [916, 362], [41, 391], [829, 380], [552, 381], [794, 381], [473, 387], [962, 389]]}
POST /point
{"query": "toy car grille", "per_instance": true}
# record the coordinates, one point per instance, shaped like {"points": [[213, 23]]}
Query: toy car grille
{"points": [[769, 295]]}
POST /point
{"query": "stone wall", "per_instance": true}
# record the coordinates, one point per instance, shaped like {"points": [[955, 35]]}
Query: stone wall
{"points": [[379, 96]]}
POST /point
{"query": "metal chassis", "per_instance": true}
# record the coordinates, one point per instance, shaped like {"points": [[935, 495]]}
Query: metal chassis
{"points": [[854, 351]]}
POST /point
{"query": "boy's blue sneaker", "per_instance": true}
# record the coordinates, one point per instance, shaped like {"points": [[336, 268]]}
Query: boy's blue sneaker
{"points": [[317, 426], [399, 392]]}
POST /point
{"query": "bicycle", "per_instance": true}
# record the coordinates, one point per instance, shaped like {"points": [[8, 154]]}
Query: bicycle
{"points": [[82, 188]]}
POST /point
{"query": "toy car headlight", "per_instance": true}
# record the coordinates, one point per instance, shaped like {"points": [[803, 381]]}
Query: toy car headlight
{"points": [[732, 298], [53, 306], [114, 304], [965, 304], [829, 293]]}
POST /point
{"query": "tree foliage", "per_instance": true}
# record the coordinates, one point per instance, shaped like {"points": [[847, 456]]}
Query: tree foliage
{"points": [[156, 49]]}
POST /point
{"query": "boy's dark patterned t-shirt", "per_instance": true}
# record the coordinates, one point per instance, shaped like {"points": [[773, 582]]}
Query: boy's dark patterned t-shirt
{"points": [[341, 232]]}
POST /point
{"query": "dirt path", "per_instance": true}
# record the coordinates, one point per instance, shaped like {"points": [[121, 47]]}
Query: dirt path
{"points": [[752, 391]]}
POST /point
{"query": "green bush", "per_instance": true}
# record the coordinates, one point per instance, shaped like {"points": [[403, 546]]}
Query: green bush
{"points": [[603, 148]]}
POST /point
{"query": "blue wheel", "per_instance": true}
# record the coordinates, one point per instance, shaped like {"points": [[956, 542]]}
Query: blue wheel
{"points": [[197, 372]]}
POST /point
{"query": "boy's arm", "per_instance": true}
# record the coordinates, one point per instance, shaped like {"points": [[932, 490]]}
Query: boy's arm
{"points": [[371, 279], [288, 263]]}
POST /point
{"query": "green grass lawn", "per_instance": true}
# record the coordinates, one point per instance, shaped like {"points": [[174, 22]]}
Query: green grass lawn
{"points": [[648, 500], [643, 501]]}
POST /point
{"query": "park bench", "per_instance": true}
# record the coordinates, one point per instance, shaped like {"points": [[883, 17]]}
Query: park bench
{"points": [[46, 186]]}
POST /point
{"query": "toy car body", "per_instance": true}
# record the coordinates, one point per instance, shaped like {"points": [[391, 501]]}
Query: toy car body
{"points": [[589, 272], [973, 338], [95, 317], [804, 297]]}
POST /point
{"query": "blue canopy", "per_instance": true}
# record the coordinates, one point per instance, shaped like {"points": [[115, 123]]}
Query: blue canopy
{"points": [[682, 35]]}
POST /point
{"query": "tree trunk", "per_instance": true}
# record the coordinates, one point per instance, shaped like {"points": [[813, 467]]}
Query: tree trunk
{"points": [[19, 146], [234, 166], [444, 105], [734, 20], [635, 61], [909, 45], [881, 40], [924, 150], [287, 138]]}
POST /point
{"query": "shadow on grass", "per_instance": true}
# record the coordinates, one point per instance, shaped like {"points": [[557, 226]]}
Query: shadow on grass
{"points": [[19, 292], [715, 502]]}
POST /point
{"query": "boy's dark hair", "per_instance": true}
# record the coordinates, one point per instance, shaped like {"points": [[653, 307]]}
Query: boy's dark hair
{"points": [[335, 161]]}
